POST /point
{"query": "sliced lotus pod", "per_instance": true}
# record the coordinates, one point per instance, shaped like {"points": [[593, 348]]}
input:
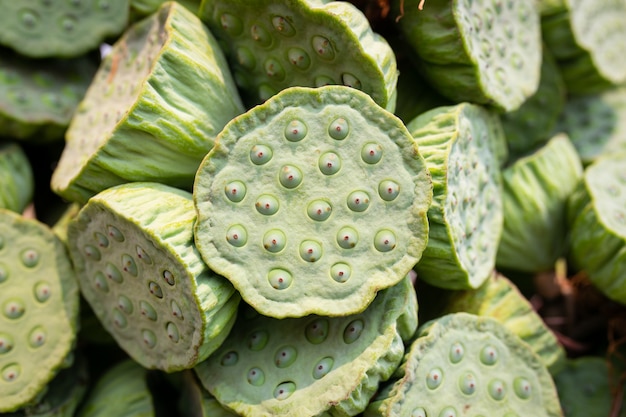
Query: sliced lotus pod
{"points": [[465, 218], [485, 52], [268, 222], [137, 266], [596, 124], [597, 219], [274, 44], [156, 104], [536, 189], [16, 177], [311, 365], [146, 7], [67, 215], [588, 40], [195, 401], [462, 362], [530, 126], [53, 28], [39, 300], [39, 98], [585, 388]]}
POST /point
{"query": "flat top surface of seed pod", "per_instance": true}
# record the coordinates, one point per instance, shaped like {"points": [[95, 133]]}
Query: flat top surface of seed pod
{"points": [[463, 362], [312, 202], [60, 28], [305, 366], [132, 247], [38, 308], [274, 44]]}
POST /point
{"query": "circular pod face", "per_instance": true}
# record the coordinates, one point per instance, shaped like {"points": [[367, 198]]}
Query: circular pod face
{"points": [[38, 309], [312, 202]]}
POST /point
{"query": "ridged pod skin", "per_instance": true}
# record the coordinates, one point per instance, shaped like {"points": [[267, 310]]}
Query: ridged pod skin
{"points": [[311, 365], [535, 192], [16, 177], [156, 104], [274, 44], [596, 216], [137, 266], [462, 146], [39, 300], [146, 7], [462, 362]]}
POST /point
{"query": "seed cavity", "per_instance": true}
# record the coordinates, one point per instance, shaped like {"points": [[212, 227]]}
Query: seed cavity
{"points": [[388, 190], [317, 331], [245, 58], [112, 273], [339, 129], [149, 338], [29, 18], [418, 412], [274, 240], [371, 153], [385, 240], [310, 250], [143, 255], [260, 154], [489, 355], [91, 252], [295, 131], [347, 237], [350, 80], [274, 70], [230, 358], [329, 163], [285, 356], [448, 412], [290, 176], [267, 204], [14, 308], [258, 340], [284, 390], [353, 331], [237, 235], [299, 58], [323, 367], [279, 279], [319, 210], [457, 351], [125, 304], [358, 201], [114, 233], [497, 389], [176, 311], [340, 272], [172, 332], [283, 26], [256, 377], [100, 282], [42, 291], [37, 337], [155, 289], [231, 24], [147, 310], [522, 388], [119, 319], [322, 80], [30, 257], [129, 265], [434, 378], [467, 383], [235, 191], [323, 48], [11, 372], [168, 277], [6, 343], [260, 35]]}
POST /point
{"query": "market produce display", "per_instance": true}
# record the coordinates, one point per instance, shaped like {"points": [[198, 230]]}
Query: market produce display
{"points": [[312, 208]]}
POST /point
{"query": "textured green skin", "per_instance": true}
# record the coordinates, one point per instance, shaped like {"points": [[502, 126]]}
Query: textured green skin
{"points": [[408, 388], [453, 60], [37, 101], [463, 235], [177, 110], [58, 314], [500, 299], [357, 371], [535, 193], [159, 219], [146, 7], [313, 290], [597, 219], [16, 177], [589, 63], [357, 49], [44, 33]]}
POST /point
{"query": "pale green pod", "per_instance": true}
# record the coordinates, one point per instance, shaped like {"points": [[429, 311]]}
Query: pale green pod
{"points": [[274, 44], [39, 300], [16, 178], [484, 52], [153, 110], [462, 362], [462, 147], [312, 202], [137, 266], [314, 365], [536, 188]]}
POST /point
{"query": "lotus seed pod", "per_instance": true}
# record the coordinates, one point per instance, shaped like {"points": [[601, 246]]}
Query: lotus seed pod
{"points": [[597, 219], [484, 52], [146, 7], [459, 146], [312, 202], [39, 98], [274, 44], [585, 388], [39, 309], [588, 40], [121, 391], [157, 102], [16, 177], [596, 124], [534, 235], [67, 215], [463, 362], [530, 125], [195, 401], [53, 28], [309, 365], [137, 266]]}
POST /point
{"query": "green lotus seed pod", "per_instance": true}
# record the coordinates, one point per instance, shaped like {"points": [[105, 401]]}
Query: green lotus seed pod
{"points": [[596, 124], [195, 401], [310, 365], [274, 44], [39, 98], [132, 247], [38, 309], [597, 219], [485, 52], [462, 362], [459, 144], [588, 40], [16, 177], [53, 28], [337, 212], [157, 102], [62, 223], [146, 7], [121, 391], [534, 235], [585, 388]]}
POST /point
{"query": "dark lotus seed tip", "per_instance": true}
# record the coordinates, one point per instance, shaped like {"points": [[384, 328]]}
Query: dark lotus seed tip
{"points": [[285, 356], [256, 377], [497, 389], [284, 390], [129, 265], [13, 309], [340, 272], [434, 378], [176, 311], [260, 154], [155, 289], [290, 176], [6, 343], [100, 282], [323, 48], [230, 358], [283, 26], [235, 191], [353, 331], [231, 24], [295, 131], [299, 58], [37, 337], [339, 129], [42, 291], [319, 210], [172, 332], [329, 163], [323, 367], [237, 235], [260, 35], [168, 277], [11, 372], [274, 70], [114, 233], [30, 258], [149, 338], [258, 340], [317, 331], [147, 310]]}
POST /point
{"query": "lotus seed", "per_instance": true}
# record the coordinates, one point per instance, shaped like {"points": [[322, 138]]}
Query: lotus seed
{"points": [[323, 367], [4, 274], [340, 272], [317, 331], [147, 310], [285, 356], [172, 332], [14, 309], [91, 252], [125, 304], [155, 289], [258, 340], [37, 337], [266, 91], [100, 282], [101, 240], [30, 258], [128, 265], [29, 18], [267, 204], [290, 176], [522, 388], [229, 359], [371, 153], [260, 35], [104, 5], [299, 58], [324, 49], [237, 235], [353, 331], [115, 233], [467, 383], [310, 250], [274, 241], [113, 273], [329, 163], [256, 377], [279, 279], [347, 237], [489, 355], [42, 291], [176, 311], [68, 23], [11, 372], [283, 26], [358, 201], [260, 154], [322, 80], [434, 378], [339, 129], [497, 390], [235, 191], [448, 412], [168, 277], [119, 319], [149, 338], [388, 190], [245, 58], [284, 390], [385, 240], [6, 343], [350, 80], [319, 210], [295, 131], [274, 70], [456, 352], [418, 412], [231, 24]]}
